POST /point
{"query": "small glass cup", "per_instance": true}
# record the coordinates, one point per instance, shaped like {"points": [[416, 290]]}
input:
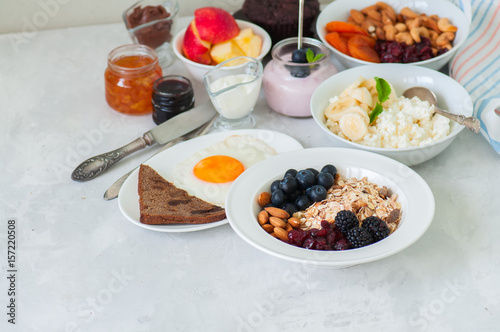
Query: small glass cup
{"points": [[234, 87], [288, 86], [152, 23]]}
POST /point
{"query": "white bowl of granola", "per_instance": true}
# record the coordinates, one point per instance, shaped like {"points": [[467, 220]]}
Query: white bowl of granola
{"points": [[411, 193], [405, 143]]}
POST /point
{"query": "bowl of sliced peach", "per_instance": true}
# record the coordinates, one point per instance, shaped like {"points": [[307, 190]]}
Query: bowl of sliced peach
{"points": [[423, 33], [214, 36]]}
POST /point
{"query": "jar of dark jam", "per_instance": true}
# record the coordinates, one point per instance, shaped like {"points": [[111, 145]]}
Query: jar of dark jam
{"points": [[172, 95]]}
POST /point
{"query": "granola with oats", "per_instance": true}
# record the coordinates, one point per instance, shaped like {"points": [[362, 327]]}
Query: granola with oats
{"points": [[362, 197]]}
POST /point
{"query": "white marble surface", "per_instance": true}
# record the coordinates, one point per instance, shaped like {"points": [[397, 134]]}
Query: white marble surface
{"points": [[83, 267]]}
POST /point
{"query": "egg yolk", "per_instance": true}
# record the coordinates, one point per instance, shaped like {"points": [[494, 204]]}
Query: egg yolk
{"points": [[218, 169]]}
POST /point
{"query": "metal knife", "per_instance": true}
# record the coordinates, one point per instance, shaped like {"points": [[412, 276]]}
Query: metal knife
{"points": [[114, 189], [175, 127]]}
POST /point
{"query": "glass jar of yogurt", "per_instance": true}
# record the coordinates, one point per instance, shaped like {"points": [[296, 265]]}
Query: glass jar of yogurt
{"points": [[288, 86]]}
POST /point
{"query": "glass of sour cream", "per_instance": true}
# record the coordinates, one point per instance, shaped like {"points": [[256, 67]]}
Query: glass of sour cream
{"points": [[234, 87]]}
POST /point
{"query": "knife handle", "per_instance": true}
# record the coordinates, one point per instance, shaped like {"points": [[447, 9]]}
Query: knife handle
{"points": [[94, 166]]}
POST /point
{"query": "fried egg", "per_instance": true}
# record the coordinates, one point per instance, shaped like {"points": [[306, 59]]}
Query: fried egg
{"points": [[209, 173]]}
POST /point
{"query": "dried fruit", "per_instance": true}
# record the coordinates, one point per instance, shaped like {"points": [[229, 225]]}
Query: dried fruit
{"points": [[360, 48]]}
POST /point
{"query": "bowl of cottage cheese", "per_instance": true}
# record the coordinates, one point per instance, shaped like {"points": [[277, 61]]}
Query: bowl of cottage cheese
{"points": [[363, 108]]}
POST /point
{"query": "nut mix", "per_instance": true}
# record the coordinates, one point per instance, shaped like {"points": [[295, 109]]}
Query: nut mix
{"points": [[388, 36], [353, 213]]}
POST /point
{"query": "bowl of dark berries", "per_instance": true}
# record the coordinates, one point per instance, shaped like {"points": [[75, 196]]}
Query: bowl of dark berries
{"points": [[330, 207], [424, 33]]}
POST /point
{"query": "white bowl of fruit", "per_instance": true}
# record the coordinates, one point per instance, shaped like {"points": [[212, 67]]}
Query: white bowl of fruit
{"points": [[214, 36], [425, 33], [330, 207], [350, 110]]}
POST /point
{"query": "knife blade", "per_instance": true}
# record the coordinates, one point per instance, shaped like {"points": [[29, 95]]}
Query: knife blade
{"points": [[114, 189], [175, 127]]}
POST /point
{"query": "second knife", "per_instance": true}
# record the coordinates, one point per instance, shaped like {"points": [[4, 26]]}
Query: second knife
{"points": [[175, 127]]}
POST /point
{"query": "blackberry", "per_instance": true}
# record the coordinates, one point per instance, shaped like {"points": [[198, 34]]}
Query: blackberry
{"points": [[377, 228], [345, 220], [359, 237]]}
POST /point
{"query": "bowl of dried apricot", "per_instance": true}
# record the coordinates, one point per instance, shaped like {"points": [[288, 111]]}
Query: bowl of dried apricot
{"points": [[423, 33], [330, 207]]}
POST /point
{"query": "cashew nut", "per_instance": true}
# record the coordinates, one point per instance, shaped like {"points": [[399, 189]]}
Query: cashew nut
{"points": [[407, 12], [357, 16], [404, 37], [413, 23], [430, 23], [445, 38], [400, 27], [445, 25], [390, 32], [416, 33]]}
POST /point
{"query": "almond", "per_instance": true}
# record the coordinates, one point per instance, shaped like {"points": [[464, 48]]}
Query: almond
{"points": [[281, 234], [294, 222], [277, 222], [263, 217], [264, 199], [268, 228], [275, 212], [288, 227]]}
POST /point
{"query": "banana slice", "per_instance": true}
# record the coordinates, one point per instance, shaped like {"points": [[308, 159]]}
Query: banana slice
{"points": [[362, 95], [353, 109], [340, 104], [353, 126], [353, 86]]}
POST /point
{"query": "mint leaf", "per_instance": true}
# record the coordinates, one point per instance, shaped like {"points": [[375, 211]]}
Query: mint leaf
{"points": [[376, 112], [318, 56], [311, 57], [383, 89]]}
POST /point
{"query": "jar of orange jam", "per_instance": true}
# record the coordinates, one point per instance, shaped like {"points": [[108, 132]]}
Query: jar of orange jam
{"points": [[129, 78]]}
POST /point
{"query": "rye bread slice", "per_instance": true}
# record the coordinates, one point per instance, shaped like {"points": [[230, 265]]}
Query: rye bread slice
{"points": [[163, 203]]}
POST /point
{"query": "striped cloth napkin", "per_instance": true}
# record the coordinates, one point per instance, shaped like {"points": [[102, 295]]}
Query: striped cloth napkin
{"points": [[477, 65]]}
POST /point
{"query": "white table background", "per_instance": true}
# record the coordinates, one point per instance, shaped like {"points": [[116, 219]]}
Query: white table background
{"points": [[83, 267]]}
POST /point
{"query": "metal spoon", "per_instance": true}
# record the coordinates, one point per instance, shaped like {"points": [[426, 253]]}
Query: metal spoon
{"points": [[422, 93], [301, 19]]}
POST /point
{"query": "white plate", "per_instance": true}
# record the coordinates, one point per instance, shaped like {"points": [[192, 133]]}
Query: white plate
{"points": [[164, 163], [415, 196]]}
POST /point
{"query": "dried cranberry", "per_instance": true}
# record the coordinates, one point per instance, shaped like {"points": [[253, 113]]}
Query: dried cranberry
{"points": [[297, 237], [342, 244], [309, 243]]}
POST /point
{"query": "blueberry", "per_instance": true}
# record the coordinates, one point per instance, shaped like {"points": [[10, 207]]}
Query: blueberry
{"points": [[329, 169], [289, 185], [291, 172], [278, 197], [302, 202], [299, 56], [290, 208], [293, 196], [317, 193], [299, 71], [325, 179], [314, 171], [305, 178], [275, 185]]}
